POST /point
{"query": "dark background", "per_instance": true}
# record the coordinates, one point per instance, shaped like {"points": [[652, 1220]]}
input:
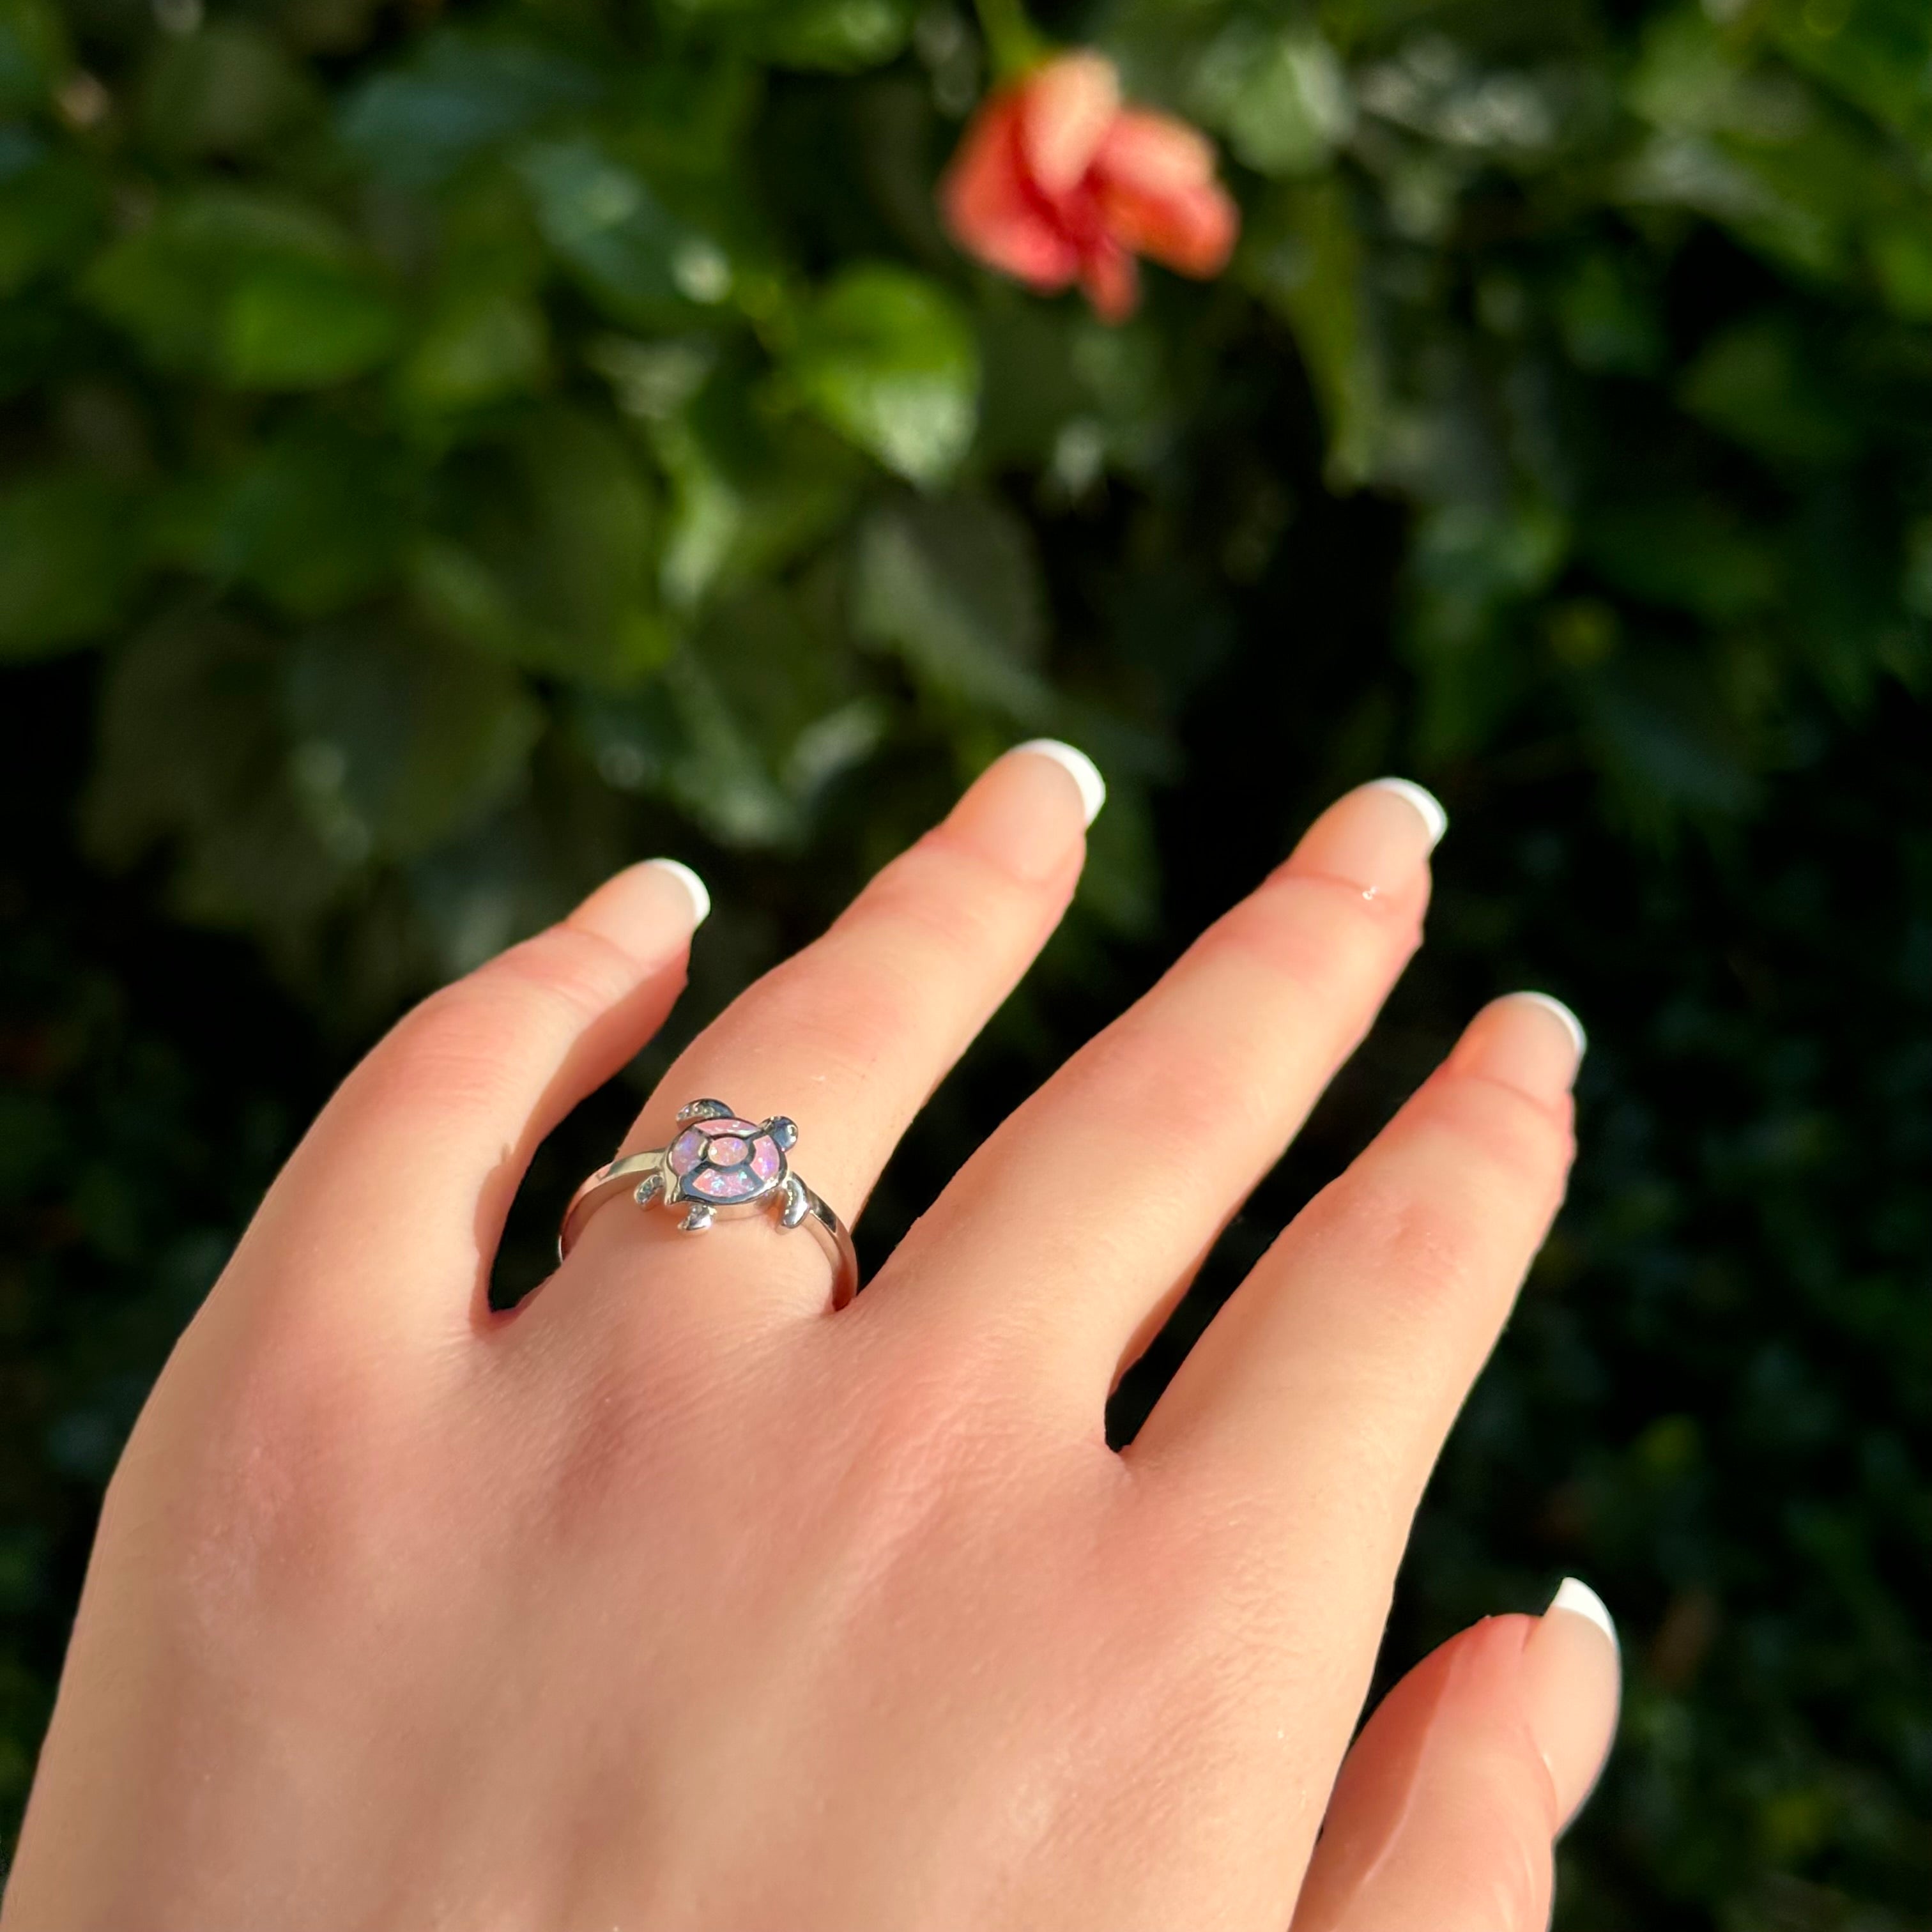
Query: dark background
{"points": [[445, 453]]}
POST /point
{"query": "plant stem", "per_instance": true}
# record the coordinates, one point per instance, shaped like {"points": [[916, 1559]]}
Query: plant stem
{"points": [[1013, 44]]}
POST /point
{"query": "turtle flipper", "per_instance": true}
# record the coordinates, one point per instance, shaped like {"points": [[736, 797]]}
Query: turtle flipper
{"points": [[794, 1206], [705, 1110], [697, 1217]]}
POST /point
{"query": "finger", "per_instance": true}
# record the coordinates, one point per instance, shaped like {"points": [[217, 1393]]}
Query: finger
{"points": [[1321, 1392], [408, 1173], [848, 1037], [1072, 1226], [1448, 1805]]}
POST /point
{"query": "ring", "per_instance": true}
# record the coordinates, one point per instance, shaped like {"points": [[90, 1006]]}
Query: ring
{"points": [[721, 1164]]}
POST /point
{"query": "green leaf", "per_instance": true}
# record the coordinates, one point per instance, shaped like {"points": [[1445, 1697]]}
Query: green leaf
{"points": [[749, 494], [69, 554], [36, 338], [840, 36], [888, 359], [951, 585], [1665, 747], [461, 96], [1691, 77], [543, 551], [258, 292], [1758, 383], [1876, 53], [194, 754], [1473, 568], [400, 740], [1901, 257], [1688, 555], [1610, 322], [480, 347], [717, 775], [1280, 96], [317, 520], [293, 325], [223, 89], [52, 206], [638, 260], [1304, 257], [33, 54]]}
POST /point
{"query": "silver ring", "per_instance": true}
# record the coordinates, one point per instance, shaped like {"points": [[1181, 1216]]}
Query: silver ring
{"points": [[720, 1167]]}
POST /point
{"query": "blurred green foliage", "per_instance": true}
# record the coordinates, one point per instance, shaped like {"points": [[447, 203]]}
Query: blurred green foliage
{"points": [[445, 453]]}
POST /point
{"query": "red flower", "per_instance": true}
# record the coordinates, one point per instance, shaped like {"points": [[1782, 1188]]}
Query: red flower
{"points": [[1056, 182]]}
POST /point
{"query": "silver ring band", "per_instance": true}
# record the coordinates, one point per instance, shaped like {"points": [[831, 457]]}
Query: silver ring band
{"points": [[720, 1167]]}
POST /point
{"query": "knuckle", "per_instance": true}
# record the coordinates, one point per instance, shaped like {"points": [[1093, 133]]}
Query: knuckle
{"points": [[884, 1003], [1294, 971], [939, 897], [450, 1045], [1507, 1141], [1321, 936], [577, 972], [1426, 1250]]}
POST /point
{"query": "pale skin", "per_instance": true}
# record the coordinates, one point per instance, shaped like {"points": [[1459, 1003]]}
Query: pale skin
{"points": [[675, 1601]]}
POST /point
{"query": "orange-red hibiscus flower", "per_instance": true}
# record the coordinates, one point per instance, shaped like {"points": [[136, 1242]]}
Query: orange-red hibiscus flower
{"points": [[1057, 182]]}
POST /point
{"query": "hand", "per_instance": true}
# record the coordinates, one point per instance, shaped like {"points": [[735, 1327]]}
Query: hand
{"points": [[674, 1601]]}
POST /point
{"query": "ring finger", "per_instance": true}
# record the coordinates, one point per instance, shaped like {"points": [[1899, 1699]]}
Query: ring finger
{"points": [[849, 1037]]}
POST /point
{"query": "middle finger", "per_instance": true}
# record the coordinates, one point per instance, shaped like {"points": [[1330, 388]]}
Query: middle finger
{"points": [[1073, 1227]]}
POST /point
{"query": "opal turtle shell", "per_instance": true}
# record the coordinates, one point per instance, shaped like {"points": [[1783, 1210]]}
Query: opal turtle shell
{"points": [[725, 1161]]}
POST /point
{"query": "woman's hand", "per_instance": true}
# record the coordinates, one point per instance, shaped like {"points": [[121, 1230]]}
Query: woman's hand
{"points": [[674, 1601]]}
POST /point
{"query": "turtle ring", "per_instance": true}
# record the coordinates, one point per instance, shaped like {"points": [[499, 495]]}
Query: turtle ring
{"points": [[720, 1166]]}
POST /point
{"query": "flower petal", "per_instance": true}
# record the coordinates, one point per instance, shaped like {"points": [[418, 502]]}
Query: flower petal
{"points": [[1154, 154], [1154, 179], [1067, 107], [1110, 280], [1194, 233], [992, 209]]}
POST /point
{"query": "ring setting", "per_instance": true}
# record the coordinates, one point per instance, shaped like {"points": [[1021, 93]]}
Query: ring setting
{"points": [[720, 1165], [720, 1160]]}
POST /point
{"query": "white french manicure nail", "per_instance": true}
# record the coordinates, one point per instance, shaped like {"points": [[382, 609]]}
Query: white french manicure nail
{"points": [[1078, 766], [1550, 1004], [1576, 1596], [700, 894], [1425, 802]]}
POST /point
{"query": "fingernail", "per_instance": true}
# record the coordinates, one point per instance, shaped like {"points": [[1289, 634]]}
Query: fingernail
{"points": [[1079, 767], [700, 895], [1525, 1040], [1571, 1025], [1376, 838], [1021, 813], [1575, 1596], [1425, 802], [1572, 1676]]}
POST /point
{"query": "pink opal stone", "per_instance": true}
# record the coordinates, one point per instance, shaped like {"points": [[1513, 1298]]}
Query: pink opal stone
{"points": [[687, 1150], [766, 1158], [728, 1150], [723, 1183], [743, 1129]]}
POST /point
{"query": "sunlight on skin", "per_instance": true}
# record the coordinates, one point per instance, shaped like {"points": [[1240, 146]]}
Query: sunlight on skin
{"points": [[673, 1598]]}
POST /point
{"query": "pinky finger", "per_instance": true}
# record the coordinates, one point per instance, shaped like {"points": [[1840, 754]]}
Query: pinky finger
{"points": [[1449, 1804]]}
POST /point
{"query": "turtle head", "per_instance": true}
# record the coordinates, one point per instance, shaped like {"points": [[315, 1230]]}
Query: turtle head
{"points": [[783, 1130]]}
